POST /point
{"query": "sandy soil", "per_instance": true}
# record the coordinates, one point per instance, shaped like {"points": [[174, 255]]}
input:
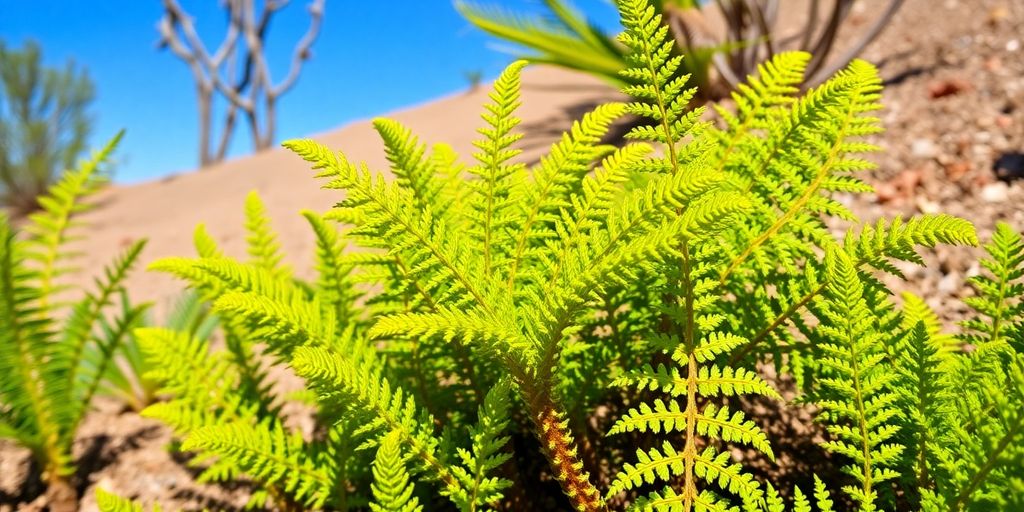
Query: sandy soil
{"points": [[955, 143]]}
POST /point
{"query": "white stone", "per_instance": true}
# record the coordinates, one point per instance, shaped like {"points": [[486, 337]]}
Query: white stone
{"points": [[996, 192], [923, 148]]}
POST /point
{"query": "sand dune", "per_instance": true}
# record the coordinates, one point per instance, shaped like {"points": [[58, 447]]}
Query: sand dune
{"points": [[168, 210]]}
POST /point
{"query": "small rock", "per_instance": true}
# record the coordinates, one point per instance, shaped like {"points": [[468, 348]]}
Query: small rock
{"points": [[926, 206], [973, 270], [998, 14], [948, 87], [1009, 166], [1013, 45], [997, 192], [994, 64], [957, 169], [949, 283], [923, 148]]}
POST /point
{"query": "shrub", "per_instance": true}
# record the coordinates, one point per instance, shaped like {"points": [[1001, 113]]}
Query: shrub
{"points": [[44, 123], [716, 63], [125, 379], [53, 361], [500, 320]]}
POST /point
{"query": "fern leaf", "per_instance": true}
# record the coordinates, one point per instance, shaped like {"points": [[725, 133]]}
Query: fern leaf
{"points": [[50, 229], [360, 384], [999, 306], [269, 454], [334, 282], [109, 502], [264, 248], [490, 203], [435, 254], [556, 177], [859, 402], [485, 455], [392, 491]]}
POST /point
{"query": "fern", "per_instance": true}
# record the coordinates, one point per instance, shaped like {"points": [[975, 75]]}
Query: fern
{"points": [[54, 360], [636, 291]]}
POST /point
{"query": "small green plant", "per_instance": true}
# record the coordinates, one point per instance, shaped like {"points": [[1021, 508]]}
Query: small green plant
{"points": [[125, 379], [53, 361], [44, 123], [577, 334]]}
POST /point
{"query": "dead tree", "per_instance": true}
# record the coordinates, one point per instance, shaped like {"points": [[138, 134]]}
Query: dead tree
{"points": [[238, 70]]}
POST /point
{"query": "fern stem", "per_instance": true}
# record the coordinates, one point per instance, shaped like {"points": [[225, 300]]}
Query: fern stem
{"points": [[461, 352], [781, 319], [861, 418], [690, 449], [561, 450]]}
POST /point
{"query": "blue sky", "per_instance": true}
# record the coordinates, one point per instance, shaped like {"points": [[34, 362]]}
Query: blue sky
{"points": [[372, 57]]}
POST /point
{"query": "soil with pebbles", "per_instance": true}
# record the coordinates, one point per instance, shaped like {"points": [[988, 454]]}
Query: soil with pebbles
{"points": [[954, 143]]}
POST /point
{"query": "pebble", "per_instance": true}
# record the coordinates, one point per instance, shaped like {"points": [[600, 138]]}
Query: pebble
{"points": [[923, 148], [949, 283], [996, 192]]}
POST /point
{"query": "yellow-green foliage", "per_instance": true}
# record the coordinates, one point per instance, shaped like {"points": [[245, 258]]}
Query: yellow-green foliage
{"points": [[53, 354], [635, 291]]}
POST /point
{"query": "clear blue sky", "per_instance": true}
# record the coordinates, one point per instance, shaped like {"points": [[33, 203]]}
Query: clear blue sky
{"points": [[372, 57]]}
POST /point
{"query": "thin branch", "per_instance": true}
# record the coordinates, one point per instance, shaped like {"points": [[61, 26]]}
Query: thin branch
{"points": [[302, 50]]}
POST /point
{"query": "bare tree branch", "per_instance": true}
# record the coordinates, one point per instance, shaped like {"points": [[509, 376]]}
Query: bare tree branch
{"points": [[302, 50], [253, 93]]}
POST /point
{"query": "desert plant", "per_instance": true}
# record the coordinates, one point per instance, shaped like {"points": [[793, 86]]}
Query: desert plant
{"points": [[501, 319], [44, 123], [238, 71], [53, 361], [716, 63], [125, 379]]}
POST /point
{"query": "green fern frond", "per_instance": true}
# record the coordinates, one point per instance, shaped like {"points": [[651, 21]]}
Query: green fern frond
{"points": [[109, 502], [392, 491], [875, 246], [857, 397], [983, 452], [759, 100], [334, 282], [387, 408], [51, 228], [412, 167], [486, 455], [267, 453], [436, 255], [490, 333], [23, 342], [263, 246], [201, 382], [206, 246], [922, 358], [79, 330], [496, 176], [556, 178], [805, 157], [999, 306]]}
